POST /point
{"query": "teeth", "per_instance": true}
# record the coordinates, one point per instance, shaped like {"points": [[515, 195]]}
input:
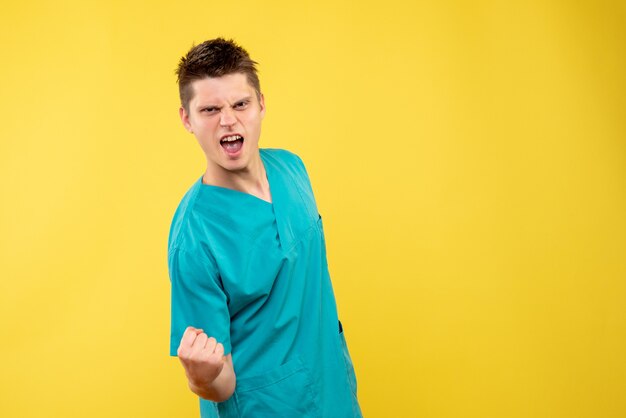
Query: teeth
{"points": [[231, 138]]}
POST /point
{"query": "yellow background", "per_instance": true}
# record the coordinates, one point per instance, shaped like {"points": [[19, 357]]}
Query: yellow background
{"points": [[469, 159]]}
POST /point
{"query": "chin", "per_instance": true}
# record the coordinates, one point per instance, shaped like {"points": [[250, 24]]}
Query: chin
{"points": [[236, 165]]}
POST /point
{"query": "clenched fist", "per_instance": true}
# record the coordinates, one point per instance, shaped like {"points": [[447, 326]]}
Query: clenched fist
{"points": [[203, 360]]}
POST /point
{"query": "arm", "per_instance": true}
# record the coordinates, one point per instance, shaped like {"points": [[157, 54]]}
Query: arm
{"points": [[210, 374]]}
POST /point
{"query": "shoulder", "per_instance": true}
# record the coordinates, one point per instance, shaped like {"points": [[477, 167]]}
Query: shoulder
{"points": [[281, 154], [285, 159], [186, 249], [181, 219]]}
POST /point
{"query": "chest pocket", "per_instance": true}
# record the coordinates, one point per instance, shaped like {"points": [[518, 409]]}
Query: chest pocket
{"points": [[303, 186], [248, 271], [297, 208]]}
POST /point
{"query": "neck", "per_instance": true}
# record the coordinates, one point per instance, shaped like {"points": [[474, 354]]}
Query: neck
{"points": [[251, 180]]}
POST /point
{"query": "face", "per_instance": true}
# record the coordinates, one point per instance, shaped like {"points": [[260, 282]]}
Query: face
{"points": [[225, 117]]}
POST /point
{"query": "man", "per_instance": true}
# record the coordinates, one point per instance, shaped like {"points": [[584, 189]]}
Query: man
{"points": [[254, 321]]}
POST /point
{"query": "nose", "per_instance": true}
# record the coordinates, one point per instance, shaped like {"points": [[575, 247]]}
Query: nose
{"points": [[227, 117]]}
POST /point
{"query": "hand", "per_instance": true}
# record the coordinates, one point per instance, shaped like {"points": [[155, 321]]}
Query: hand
{"points": [[201, 356]]}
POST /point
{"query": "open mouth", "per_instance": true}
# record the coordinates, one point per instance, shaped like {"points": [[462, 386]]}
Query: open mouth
{"points": [[232, 144]]}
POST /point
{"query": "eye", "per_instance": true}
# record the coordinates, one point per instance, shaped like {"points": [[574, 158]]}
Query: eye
{"points": [[241, 105], [209, 110]]}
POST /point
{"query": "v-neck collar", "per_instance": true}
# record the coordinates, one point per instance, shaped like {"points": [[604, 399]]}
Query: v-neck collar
{"points": [[242, 209]]}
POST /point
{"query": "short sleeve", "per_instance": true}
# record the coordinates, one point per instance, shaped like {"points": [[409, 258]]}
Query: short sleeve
{"points": [[197, 298]]}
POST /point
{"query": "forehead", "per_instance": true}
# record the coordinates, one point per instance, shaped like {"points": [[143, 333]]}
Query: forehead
{"points": [[226, 88]]}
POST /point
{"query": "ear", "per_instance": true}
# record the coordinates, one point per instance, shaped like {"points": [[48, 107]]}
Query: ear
{"points": [[184, 118], [262, 105]]}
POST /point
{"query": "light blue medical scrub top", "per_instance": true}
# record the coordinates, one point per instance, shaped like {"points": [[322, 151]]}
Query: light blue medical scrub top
{"points": [[254, 275]]}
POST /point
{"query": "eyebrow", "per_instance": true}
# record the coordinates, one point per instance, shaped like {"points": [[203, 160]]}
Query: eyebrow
{"points": [[247, 98], [204, 106]]}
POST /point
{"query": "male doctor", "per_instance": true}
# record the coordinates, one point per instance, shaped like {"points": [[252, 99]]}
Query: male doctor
{"points": [[253, 315]]}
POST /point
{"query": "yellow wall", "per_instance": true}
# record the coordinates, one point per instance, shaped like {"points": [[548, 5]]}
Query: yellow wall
{"points": [[469, 159]]}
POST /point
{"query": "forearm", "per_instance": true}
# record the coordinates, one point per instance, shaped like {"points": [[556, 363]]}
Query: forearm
{"points": [[220, 390]]}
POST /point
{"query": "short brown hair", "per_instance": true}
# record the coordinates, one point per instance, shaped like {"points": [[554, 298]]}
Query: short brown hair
{"points": [[214, 58]]}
